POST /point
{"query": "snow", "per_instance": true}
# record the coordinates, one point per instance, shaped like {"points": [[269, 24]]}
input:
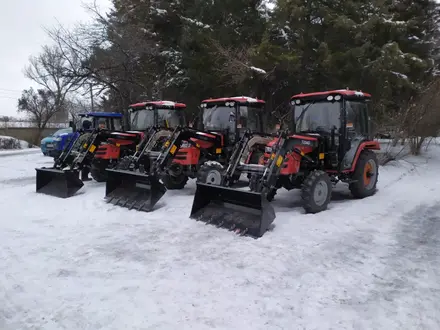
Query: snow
{"points": [[247, 98], [253, 68], [400, 75], [8, 140], [80, 263], [195, 22]]}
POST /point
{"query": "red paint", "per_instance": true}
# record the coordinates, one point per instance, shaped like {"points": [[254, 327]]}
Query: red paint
{"points": [[222, 138], [210, 135], [337, 91], [203, 144], [132, 135], [158, 104], [369, 145], [107, 151], [190, 156], [304, 137], [291, 164], [240, 99], [121, 142]]}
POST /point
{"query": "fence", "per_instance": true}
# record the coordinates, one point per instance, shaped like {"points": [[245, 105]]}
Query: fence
{"points": [[29, 124]]}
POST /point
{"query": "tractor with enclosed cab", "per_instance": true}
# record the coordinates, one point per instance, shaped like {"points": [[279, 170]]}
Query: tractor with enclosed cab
{"points": [[141, 180], [99, 144], [329, 141]]}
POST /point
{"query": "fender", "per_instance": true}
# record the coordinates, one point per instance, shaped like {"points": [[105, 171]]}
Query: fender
{"points": [[351, 157]]}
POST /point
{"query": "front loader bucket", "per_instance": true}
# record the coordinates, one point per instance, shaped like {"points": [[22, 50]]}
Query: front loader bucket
{"points": [[133, 190], [246, 212], [58, 183]]}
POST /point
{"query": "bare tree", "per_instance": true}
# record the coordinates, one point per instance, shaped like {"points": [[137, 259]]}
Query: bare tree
{"points": [[75, 106], [106, 56], [421, 119], [235, 63], [40, 106], [48, 70]]}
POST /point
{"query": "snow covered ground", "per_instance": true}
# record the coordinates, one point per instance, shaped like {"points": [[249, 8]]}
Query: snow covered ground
{"points": [[8, 142], [82, 264]]}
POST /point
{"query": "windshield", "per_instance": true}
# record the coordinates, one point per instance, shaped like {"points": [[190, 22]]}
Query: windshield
{"points": [[169, 118], [219, 118], [62, 131], [312, 117], [141, 119]]}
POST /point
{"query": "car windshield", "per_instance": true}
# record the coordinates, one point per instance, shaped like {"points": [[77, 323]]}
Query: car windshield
{"points": [[317, 116], [219, 118], [141, 119], [62, 131], [169, 118]]}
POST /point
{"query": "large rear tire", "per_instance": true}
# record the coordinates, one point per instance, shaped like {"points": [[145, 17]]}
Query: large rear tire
{"points": [[365, 175], [316, 192]]}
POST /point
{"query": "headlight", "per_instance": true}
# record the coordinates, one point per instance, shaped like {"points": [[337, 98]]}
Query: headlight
{"points": [[57, 139], [268, 149]]}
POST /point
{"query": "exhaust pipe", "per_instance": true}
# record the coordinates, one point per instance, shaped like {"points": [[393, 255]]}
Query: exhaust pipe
{"points": [[245, 212]]}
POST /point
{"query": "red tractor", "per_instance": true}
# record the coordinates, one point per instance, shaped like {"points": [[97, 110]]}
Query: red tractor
{"points": [[331, 142], [141, 180], [142, 116]]}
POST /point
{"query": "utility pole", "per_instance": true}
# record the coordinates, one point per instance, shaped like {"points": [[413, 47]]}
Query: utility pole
{"points": [[91, 96]]}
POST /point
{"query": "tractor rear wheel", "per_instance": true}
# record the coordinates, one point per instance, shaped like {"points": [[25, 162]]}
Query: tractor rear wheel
{"points": [[365, 175], [316, 192], [174, 182]]}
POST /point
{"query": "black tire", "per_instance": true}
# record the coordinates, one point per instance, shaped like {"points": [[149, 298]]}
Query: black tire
{"points": [[365, 175], [174, 182], [254, 185], [210, 174], [98, 173], [316, 184]]}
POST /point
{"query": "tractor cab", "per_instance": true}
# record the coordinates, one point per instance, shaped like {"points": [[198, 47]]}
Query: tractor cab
{"points": [[339, 118], [166, 114], [343, 111], [104, 120], [232, 116]]}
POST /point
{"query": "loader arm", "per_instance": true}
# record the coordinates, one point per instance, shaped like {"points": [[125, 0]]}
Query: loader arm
{"points": [[61, 161], [236, 156], [173, 145], [87, 150]]}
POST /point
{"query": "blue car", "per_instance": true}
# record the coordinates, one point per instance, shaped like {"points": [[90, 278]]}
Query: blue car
{"points": [[53, 144]]}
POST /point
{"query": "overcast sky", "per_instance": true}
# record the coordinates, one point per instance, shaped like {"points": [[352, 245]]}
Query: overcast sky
{"points": [[22, 34]]}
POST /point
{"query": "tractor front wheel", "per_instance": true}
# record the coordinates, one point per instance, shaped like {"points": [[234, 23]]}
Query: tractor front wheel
{"points": [[210, 174], [174, 182], [98, 172], [316, 192], [365, 175]]}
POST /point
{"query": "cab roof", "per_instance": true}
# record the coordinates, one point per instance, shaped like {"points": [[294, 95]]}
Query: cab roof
{"points": [[158, 104], [101, 114], [245, 100], [345, 93]]}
